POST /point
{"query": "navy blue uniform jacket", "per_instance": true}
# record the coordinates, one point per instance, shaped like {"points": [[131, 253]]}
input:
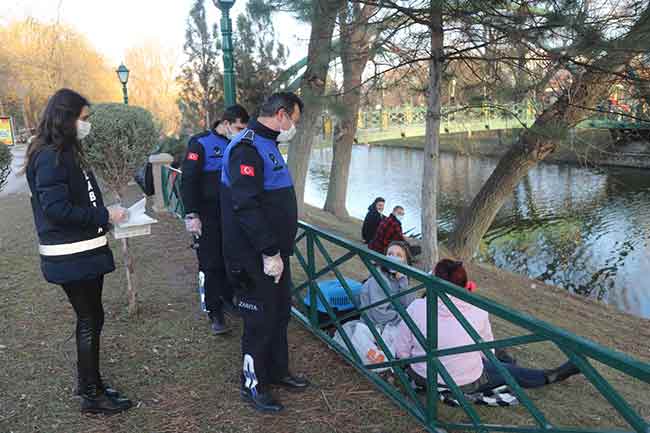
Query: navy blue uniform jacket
{"points": [[68, 210], [201, 177], [259, 208]]}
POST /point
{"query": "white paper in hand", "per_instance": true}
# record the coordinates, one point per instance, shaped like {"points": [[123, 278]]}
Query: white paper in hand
{"points": [[138, 222], [137, 215]]}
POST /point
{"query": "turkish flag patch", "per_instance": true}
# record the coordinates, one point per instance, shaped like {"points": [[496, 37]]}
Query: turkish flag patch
{"points": [[247, 170], [193, 156]]}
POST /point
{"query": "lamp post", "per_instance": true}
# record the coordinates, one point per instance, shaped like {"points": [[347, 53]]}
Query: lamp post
{"points": [[123, 76], [229, 88]]}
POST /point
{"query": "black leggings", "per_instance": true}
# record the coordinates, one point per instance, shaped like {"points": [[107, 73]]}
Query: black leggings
{"points": [[86, 299]]}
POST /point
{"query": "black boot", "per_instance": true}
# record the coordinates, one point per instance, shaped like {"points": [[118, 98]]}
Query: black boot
{"points": [[104, 386], [94, 400], [561, 373], [260, 400], [230, 308], [218, 323], [292, 382]]}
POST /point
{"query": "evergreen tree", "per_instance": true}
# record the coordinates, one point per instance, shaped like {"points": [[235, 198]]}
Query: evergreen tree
{"points": [[200, 80], [258, 56]]}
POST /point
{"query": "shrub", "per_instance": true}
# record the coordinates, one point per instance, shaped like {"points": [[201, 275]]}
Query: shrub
{"points": [[121, 138], [5, 164]]}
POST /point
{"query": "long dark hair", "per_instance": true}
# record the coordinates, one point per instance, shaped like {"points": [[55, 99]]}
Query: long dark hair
{"points": [[58, 126]]}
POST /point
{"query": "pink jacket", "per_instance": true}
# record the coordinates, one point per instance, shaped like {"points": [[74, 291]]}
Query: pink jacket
{"points": [[464, 368]]}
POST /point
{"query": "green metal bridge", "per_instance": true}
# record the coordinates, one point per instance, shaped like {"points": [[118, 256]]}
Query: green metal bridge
{"points": [[321, 255], [409, 121]]}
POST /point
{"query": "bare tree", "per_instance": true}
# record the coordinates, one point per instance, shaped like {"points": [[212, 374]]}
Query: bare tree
{"points": [[356, 38], [312, 89]]}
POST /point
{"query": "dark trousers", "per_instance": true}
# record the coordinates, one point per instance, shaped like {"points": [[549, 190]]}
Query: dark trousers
{"points": [[491, 378], [266, 308], [86, 299], [211, 262], [525, 377]]}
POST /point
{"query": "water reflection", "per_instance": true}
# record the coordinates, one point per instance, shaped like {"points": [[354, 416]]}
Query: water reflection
{"points": [[587, 230]]}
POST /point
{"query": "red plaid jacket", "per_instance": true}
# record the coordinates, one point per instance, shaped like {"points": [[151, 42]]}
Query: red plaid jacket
{"points": [[389, 230]]}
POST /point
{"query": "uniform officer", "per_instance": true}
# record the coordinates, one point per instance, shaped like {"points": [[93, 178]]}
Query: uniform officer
{"points": [[201, 181], [260, 220]]}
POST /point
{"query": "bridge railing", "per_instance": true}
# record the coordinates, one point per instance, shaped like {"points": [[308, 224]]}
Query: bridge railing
{"points": [[321, 255]]}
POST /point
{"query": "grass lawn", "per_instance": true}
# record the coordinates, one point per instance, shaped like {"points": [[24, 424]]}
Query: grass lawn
{"points": [[185, 380]]}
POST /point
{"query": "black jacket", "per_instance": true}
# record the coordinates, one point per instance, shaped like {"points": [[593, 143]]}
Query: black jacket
{"points": [[370, 224], [201, 177], [258, 201], [69, 212]]}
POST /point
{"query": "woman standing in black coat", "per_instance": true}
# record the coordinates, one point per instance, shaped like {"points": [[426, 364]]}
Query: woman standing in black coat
{"points": [[72, 222], [372, 220]]}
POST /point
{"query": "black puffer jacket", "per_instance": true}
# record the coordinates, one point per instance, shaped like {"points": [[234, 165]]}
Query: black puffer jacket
{"points": [[70, 218], [370, 223]]}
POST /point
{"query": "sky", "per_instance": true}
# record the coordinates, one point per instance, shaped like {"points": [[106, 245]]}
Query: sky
{"points": [[113, 26]]}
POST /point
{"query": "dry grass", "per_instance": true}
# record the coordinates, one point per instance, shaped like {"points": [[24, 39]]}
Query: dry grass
{"points": [[578, 404], [183, 379]]}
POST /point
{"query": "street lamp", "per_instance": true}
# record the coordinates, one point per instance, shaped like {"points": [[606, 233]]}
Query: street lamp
{"points": [[229, 88], [123, 76]]}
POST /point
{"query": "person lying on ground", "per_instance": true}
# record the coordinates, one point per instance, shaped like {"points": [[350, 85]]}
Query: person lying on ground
{"points": [[373, 218], [471, 371], [371, 292]]}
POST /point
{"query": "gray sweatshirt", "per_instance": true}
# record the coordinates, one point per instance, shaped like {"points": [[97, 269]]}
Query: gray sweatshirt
{"points": [[372, 292]]}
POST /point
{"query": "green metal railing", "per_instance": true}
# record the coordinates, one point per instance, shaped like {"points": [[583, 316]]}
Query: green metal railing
{"points": [[409, 121], [315, 250], [581, 351], [171, 185]]}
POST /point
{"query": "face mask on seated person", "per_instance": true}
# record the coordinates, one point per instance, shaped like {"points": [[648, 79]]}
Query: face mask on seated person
{"points": [[392, 272]]}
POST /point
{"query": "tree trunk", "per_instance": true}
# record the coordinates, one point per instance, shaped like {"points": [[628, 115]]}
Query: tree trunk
{"points": [[432, 142], [355, 51], [131, 290], [312, 89], [542, 138], [130, 287]]}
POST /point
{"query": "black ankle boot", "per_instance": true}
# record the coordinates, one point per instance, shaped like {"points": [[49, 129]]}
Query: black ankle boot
{"points": [[102, 385], [218, 323], [260, 400], [563, 372], [95, 401]]}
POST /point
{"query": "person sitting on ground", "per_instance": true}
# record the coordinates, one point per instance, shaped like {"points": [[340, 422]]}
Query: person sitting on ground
{"points": [[471, 371], [371, 292], [373, 218], [389, 230]]}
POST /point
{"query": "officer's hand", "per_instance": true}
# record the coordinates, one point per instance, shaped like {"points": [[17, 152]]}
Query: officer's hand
{"points": [[273, 266], [193, 224], [117, 214]]}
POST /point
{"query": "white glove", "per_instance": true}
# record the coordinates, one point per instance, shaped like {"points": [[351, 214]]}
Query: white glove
{"points": [[193, 225], [273, 266]]}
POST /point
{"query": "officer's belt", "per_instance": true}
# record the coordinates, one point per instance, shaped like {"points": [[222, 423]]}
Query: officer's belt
{"points": [[73, 248]]}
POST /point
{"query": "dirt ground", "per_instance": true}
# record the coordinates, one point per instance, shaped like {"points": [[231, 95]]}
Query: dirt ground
{"points": [[578, 404], [183, 379]]}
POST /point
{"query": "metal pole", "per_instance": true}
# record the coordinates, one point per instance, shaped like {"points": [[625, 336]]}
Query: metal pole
{"points": [[229, 88], [125, 93]]}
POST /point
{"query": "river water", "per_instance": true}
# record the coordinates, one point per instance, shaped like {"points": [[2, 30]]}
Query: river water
{"points": [[584, 229]]}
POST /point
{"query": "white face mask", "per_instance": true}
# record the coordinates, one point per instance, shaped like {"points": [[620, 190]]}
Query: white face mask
{"points": [[400, 218], [229, 134], [398, 258], [287, 135], [83, 129]]}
